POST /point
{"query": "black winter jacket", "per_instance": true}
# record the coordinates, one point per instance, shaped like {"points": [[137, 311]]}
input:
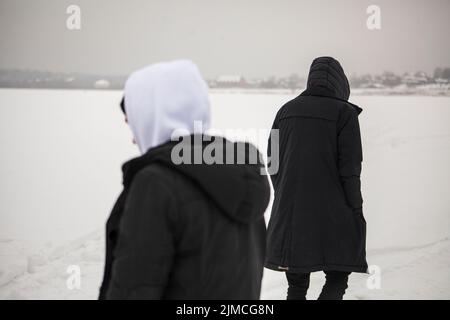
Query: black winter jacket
{"points": [[317, 221], [186, 231]]}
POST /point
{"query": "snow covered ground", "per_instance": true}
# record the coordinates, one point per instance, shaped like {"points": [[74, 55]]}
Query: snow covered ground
{"points": [[61, 153], [406, 273]]}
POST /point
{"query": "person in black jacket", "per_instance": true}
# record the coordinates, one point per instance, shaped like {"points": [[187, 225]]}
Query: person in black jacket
{"points": [[183, 230], [317, 222]]}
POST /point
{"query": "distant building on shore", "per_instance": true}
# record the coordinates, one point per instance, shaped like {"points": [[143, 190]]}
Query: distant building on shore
{"points": [[420, 78], [230, 81], [102, 84]]}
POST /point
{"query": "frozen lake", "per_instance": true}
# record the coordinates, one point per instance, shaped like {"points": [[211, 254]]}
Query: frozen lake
{"points": [[61, 153]]}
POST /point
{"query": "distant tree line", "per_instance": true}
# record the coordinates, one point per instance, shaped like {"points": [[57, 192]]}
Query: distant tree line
{"points": [[42, 79], [391, 79]]}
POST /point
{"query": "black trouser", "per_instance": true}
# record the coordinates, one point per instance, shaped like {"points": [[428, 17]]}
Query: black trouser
{"points": [[334, 288]]}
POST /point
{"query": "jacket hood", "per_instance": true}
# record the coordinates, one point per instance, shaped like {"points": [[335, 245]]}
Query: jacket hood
{"points": [[327, 75], [241, 191], [327, 79], [164, 97]]}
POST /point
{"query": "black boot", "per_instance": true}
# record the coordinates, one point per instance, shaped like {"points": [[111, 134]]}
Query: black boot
{"points": [[298, 285], [335, 285]]}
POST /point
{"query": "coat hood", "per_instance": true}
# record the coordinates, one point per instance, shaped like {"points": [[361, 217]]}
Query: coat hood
{"points": [[165, 97], [241, 191], [327, 74], [327, 79]]}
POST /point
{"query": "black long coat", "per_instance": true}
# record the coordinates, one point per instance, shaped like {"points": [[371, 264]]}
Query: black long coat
{"points": [[186, 231], [317, 221]]}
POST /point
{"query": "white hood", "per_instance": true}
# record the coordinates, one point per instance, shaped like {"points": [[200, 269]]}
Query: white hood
{"points": [[164, 97]]}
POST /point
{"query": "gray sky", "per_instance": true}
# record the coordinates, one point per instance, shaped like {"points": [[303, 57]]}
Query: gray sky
{"points": [[254, 38]]}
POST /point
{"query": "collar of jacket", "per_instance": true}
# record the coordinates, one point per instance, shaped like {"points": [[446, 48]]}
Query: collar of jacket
{"points": [[131, 167], [323, 92]]}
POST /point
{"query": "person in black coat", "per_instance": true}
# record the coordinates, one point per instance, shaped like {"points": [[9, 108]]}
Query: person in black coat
{"points": [[183, 230], [317, 221]]}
